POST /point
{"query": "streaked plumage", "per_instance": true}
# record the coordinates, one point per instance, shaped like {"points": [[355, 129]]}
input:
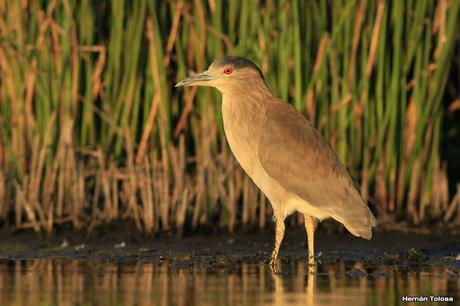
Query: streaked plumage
{"points": [[283, 153]]}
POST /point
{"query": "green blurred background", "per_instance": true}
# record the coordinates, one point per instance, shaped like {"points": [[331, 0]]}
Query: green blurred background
{"points": [[92, 129]]}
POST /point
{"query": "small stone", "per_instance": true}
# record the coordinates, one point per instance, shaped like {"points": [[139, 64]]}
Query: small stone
{"points": [[120, 245], [64, 243], [80, 247]]}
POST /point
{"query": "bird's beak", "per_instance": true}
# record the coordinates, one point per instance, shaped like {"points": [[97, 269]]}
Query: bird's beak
{"points": [[201, 79]]}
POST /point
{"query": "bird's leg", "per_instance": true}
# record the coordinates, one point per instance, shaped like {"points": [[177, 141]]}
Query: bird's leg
{"points": [[310, 226], [278, 239]]}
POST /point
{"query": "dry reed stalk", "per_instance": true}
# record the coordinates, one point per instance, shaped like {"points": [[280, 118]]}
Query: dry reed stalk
{"points": [[246, 199], [173, 33], [131, 186], [310, 103], [186, 111], [414, 189], [114, 190], [200, 196], [181, 212], [177, 171], [253, 206], [425, 181], [95, 212], [73, 55], [164, 183], [143, 198], [231, 201], [148, 214], [380, 188], [148, 128], [453, 206], [29, 118], [439, 25], [392, 190], [198, 6], [153, 57], [185, 198], [156, 165], [67, 168], [3, 196], [364, 187], [59, 162], [105, 184], [262, 210], [356, 38], [100, 65], [180, 182], [375, 38], [440, 193], [29, 192], [22, 203]]}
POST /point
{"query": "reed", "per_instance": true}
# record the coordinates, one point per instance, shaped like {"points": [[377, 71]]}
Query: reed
{"points": [[92, 129]]}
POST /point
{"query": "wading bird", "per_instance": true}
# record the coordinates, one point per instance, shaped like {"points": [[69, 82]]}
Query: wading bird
{"points": [[285, 156]]}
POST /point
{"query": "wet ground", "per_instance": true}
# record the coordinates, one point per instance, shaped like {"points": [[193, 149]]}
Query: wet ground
{"points": [[117, 267], [405, 250]]}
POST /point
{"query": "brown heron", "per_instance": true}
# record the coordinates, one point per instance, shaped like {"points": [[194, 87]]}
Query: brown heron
{"points": [[282, 152]]}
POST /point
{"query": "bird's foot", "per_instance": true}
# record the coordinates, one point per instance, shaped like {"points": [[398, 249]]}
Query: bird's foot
{"points": [[312, 268], [312, 265], [312, 259], [272, 265]]}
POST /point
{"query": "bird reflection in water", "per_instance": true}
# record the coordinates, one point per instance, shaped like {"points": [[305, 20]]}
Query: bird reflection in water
{"points": [[280, 296], [86, 282]]}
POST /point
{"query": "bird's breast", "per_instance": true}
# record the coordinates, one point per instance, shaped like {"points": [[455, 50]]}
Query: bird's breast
{"points": [[242, 129]]}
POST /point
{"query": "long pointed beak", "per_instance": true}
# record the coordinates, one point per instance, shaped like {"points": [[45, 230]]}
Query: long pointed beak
{"points": [[201, 79]]}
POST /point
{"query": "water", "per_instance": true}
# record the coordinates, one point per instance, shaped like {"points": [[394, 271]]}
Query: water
{"points": [[80, 282]]}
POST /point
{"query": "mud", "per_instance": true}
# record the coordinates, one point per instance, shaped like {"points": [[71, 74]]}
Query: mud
{"points": [[405, 251]]}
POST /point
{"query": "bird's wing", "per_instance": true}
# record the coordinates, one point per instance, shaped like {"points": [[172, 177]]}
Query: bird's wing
{"points": [[295, 154]]}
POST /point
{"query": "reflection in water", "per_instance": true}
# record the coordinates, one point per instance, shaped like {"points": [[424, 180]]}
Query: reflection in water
{"points": [[76, 282]]}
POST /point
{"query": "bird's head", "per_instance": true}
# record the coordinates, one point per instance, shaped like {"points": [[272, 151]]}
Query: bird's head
{"points": [[225, 73]]}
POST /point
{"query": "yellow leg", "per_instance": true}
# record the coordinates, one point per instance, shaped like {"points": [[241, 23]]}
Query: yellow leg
{"points": [[310, 226], [278, 239]]}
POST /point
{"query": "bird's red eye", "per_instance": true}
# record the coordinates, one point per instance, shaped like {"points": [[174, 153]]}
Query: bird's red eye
{"points": [[228, 70]]}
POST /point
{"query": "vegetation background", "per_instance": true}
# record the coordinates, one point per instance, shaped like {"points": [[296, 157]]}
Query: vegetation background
{"points": [[92, 129]]}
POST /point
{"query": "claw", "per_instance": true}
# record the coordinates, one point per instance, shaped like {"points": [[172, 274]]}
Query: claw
{"points": [[312, 269], [272, 265], [312, 266]]}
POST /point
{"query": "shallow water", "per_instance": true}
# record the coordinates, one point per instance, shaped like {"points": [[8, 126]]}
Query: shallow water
{"points": [[80, 282]]}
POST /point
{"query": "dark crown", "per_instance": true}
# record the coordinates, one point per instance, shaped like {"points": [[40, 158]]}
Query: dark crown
{"points": [[239, 62]]}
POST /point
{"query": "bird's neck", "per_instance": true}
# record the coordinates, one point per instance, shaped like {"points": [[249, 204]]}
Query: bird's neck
{"points": [[243, 103], [248, 91]]}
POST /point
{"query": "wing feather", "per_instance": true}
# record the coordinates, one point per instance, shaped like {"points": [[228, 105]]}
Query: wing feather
{"points": [[295, 154]]}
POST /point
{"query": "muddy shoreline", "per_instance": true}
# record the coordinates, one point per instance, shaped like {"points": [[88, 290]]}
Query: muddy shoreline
{"points": [[404, 250]]}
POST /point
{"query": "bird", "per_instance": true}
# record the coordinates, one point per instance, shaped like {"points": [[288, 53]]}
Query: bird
{"points": [[284, 154]]}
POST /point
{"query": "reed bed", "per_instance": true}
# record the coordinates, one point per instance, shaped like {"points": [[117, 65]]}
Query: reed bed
{"points": [[92, 129]]}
